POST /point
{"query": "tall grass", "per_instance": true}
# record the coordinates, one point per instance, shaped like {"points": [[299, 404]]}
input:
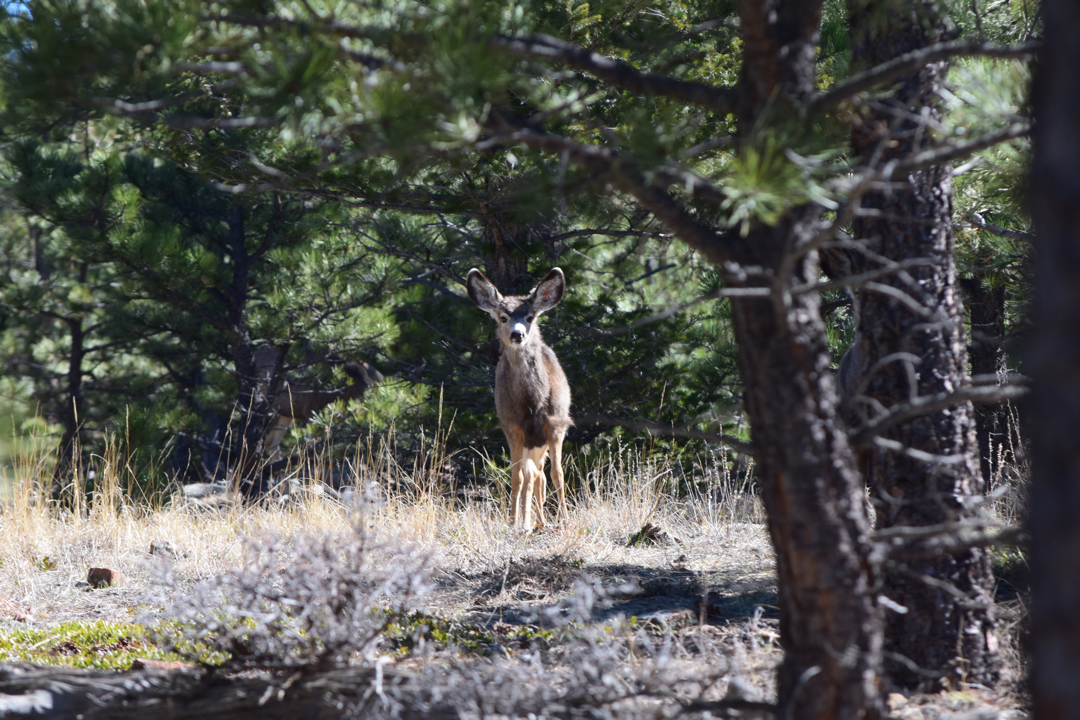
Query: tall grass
{"points": [[46, 550]]}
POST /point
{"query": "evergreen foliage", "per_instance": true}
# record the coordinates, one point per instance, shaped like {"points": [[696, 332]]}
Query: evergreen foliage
{"points": [[347, 140]]}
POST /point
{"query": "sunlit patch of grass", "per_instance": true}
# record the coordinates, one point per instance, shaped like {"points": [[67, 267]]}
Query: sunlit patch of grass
{"points": [[410, 630], [96, 645]]}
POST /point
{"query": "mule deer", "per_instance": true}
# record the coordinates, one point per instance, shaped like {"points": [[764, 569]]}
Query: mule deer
{"points": [[532, 397], [302, 399]]}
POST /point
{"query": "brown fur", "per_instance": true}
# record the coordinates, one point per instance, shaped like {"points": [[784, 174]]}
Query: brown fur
{"points": [[532, 396], [302, 399]]}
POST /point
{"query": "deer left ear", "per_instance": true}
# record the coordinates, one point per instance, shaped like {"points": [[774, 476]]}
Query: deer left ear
{"points": [[549, 292]]}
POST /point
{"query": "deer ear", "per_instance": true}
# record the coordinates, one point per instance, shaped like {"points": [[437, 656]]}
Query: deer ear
{"points": [[549, 292], [482, 292]]}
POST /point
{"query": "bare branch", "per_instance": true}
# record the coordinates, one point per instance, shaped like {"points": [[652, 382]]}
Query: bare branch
{"points": [[948, 538], [861, 279], [949, 152], [191, 123], [621, 172], [621, 74], [912, 62], [610, 233], [674, 310], [919, 455], [902, 412], [976, 220], [906, 300], [654, 428]]}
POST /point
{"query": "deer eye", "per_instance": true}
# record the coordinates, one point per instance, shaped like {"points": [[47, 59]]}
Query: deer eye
{"points": [[504, 319], [529, 318]]}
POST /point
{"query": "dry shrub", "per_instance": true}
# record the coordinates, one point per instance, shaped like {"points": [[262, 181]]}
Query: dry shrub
{"points": [[313, 601]]}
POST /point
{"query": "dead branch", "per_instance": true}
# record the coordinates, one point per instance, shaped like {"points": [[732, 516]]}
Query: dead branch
{"points": [[674, 310], [912, 62], [976, 220], [916, 454], [621, 74], [856, 281], [917, 407], [621, 172], [958, 151], [654, 428], [915, 543]]}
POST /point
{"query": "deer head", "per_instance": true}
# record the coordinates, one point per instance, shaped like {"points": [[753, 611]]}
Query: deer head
{"points": [[516, 315]]}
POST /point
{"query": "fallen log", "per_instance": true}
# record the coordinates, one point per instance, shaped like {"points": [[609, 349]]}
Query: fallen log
{"points": [[199, 693]]}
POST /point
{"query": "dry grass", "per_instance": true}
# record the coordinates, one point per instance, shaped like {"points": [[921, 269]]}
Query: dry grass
{"points": [[46, 554], [710, 570]]}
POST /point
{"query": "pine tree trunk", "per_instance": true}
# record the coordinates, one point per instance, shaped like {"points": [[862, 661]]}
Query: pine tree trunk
{"points": [[67, 462], [1054, 363], [829, 621], [944, 635], [830, 625]]}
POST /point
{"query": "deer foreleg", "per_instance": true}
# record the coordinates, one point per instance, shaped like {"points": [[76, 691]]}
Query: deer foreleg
{"points": [[539, 484], [517, 480]]}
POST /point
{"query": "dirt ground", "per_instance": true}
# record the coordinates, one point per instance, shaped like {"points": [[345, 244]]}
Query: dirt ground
{"points": [[703, 582]]}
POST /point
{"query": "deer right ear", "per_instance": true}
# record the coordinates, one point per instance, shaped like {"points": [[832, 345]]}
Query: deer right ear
{"points": [[482, 292]]}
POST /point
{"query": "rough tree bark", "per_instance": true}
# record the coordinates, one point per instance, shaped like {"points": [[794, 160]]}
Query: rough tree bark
{"points": [[830, 624], [829, 621], [1054, 363], [909, 352]]}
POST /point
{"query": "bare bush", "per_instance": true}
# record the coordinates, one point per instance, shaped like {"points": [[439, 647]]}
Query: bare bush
{"points": [[601, 670], [312, 601]]}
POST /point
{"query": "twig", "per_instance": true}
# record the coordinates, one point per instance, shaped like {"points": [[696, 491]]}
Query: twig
{"points": [[913, 61], [902, 412], [621, 74], [654, 428], [673, 310], [977, 220]]}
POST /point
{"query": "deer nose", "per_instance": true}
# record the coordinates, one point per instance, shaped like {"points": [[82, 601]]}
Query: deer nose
{"points": [[516, 336]]}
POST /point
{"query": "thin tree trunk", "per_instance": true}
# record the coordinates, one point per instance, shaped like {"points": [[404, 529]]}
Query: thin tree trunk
{"points": [[830, 626], [65, 471], [944, 634], [1054, 362], [986, 315]]}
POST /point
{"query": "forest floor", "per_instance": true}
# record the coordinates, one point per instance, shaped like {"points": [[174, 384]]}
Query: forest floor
{"points": [[701, 576]]}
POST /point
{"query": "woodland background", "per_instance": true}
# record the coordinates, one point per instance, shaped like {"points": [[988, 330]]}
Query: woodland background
{"points": [[737, 193]]}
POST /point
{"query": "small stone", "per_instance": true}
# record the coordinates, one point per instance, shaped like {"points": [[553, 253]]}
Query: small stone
{"points": [[739, 689], [104, 577], [650, 534], [161, 665], [162, 548]]}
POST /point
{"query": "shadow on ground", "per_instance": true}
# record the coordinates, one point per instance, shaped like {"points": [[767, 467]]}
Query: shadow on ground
{"points": [[538, 591]]}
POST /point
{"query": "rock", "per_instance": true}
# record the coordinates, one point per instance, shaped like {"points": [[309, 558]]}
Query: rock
{"points": [[104, 577], [650, 534], [203, 490], [160, 665], [162, 548]]}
